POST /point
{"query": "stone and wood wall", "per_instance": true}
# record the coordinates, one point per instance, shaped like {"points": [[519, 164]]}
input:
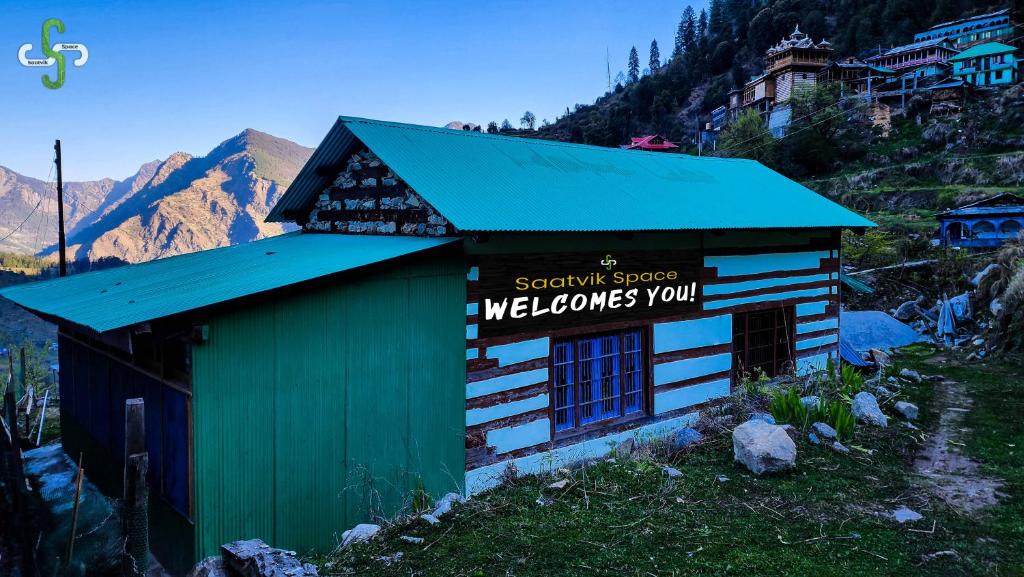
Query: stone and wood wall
{"points": [[508, 390], [366, 197]]}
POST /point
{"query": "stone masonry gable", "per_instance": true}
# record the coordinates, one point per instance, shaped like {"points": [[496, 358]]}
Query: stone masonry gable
{"points": [[367, 197]]}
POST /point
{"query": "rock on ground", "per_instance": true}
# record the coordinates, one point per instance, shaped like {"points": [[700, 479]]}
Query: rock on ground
{"points": [[209, 567], [672, 472], [793, 432], [810, 401], [254, 558], [839, 447], [824, 431], [444, 505], [762, 417], [686, 436], [908, 410], [906, 311], [360, 532], [880, 357], [905, 515], [763, 448], [995, 307], [866, 410], [911, 375], [430, 519]]}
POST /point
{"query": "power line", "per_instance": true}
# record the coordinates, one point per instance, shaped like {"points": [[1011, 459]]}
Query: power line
{"points": [[17, 228]]}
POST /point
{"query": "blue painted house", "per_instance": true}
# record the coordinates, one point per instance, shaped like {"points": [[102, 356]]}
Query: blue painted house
{"points": [[967, 32], [456, 304], [984, 224], [989, 64]]}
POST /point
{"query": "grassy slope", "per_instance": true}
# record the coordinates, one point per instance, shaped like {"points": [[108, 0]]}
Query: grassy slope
{"points": [[825, 518]]}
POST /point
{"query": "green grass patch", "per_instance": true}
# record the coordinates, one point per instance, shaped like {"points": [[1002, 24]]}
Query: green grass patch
{"points": [[829, 516]]}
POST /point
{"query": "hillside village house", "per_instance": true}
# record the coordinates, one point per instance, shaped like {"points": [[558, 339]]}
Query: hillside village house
{"points": [[966, 32], [651, 143], [984, 224], [935, 61], [925, 59], [855, 77], [990, 64], [790, 65], [455, 304]]}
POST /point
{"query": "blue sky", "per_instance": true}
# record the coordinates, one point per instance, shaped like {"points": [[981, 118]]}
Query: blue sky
{"points": [[164, 77]]}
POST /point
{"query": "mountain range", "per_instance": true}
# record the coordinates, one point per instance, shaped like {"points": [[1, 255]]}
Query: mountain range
{"points": [[181, 204]]}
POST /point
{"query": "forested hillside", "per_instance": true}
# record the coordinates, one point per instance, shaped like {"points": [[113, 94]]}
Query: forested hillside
{"points": [[719, 49]]}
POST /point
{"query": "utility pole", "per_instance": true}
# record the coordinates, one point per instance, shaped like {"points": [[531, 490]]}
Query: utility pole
{"points": [[61, 244]]}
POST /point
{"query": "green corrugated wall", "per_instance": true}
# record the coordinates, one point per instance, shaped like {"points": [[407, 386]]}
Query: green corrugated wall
{"points": [[312, 411]]}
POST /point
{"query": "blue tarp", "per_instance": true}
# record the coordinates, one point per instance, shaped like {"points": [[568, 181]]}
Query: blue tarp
{"points": [[866, 330]]}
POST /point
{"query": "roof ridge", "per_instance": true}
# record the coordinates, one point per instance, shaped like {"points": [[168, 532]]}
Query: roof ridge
{"points": [[527, 140]]}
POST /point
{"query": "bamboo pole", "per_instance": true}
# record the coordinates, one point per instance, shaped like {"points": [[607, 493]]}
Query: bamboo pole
{"points": [[74, 514], [42, 417]]}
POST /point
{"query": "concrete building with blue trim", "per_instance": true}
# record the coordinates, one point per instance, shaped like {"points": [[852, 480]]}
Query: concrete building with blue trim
{"points": [[984, 224], [455, 305], [989, 64], [967, 32]]}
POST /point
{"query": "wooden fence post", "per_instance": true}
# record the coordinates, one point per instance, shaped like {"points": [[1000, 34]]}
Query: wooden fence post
{"points": [[70, 550], [136, 492], [16, 479]]}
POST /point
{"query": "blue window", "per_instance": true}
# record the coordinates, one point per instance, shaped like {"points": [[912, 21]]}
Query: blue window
{"points": [[598, 377]]}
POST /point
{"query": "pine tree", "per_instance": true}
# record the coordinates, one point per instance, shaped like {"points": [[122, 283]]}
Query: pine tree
{"points": [[634, 66], [492, 127], [702, 24], [677, 50], [655, 60], [506, 125], [718, 20], [689, 29]]}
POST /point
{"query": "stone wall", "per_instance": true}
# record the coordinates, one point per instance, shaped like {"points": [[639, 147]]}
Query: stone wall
{"points": [[367, 197]]}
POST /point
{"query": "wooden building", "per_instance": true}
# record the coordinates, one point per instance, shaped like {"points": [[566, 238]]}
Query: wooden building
{"points": [[794, 63], [925, 59], [456, 304], [855, 77]]}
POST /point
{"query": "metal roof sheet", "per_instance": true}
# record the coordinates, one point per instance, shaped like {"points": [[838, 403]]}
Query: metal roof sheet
{"points": [[132, 294], [485, 182], [987, 49], [914, 46]]}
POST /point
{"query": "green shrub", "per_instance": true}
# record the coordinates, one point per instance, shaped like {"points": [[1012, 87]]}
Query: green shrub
{"points": [[420, 498], [837, 415], [786, 407], [850, 382]]}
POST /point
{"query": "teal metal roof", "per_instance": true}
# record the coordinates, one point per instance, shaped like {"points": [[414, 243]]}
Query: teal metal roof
{"points": [[987, 49], [856, 284], [486, 182], [124, 296]]}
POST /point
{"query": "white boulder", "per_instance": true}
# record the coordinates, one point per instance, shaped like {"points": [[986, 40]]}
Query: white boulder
{"points": [[763, 448]]}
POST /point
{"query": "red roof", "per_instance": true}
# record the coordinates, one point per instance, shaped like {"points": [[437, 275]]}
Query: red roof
{"points": [[650, 142]]}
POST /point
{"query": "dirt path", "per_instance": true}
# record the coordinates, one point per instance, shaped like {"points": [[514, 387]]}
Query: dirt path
{"points": [[948, 473]]}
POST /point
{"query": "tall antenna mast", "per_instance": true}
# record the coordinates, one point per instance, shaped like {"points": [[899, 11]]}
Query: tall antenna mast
{"points": [[61, 244]]}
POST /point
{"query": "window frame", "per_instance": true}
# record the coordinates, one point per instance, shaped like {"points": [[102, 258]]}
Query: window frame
{"points": [[789, 318], [646, 381]]}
